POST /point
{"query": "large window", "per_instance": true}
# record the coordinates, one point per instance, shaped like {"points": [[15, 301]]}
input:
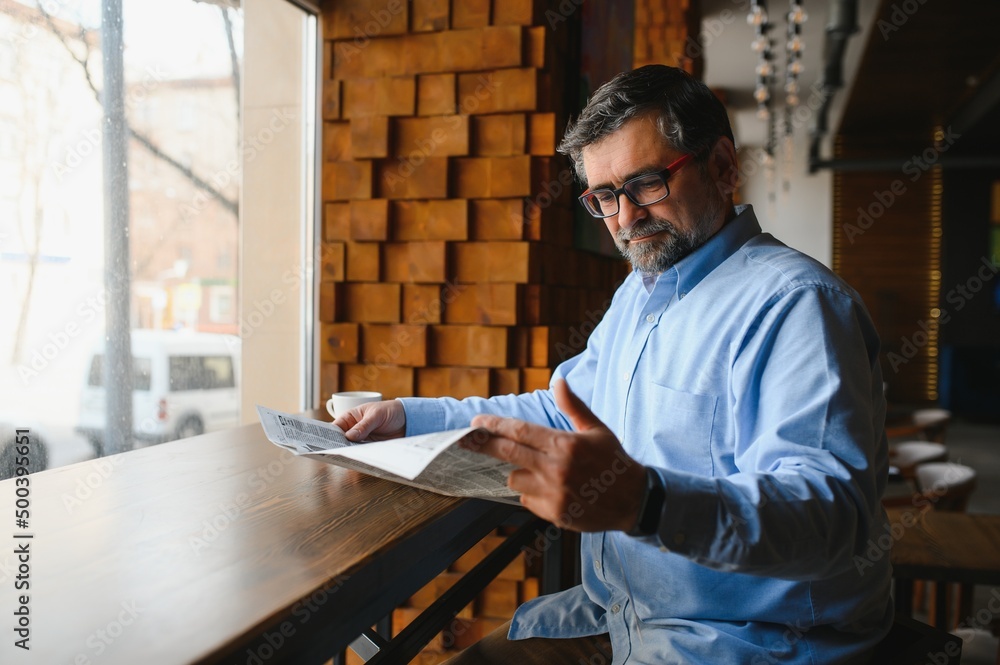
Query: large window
{"points": [[81, 276]]}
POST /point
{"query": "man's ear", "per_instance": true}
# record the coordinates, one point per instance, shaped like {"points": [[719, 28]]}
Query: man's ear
{"points": [[723, 166]]}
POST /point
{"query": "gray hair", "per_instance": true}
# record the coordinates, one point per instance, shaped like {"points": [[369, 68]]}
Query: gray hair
{"points": [[691, 118]]}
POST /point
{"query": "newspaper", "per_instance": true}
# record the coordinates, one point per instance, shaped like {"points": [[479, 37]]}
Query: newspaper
{"points": [[434, 462]]}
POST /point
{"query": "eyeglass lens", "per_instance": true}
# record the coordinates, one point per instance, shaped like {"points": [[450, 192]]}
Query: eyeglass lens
{"points": [[644, 190]]}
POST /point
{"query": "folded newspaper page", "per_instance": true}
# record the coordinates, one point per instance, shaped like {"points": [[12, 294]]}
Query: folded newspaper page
{"points": [[433, 462]]}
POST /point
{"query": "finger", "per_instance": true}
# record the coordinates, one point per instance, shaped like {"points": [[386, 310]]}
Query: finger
{"points": [[357, 433], [538, 497], [507, 450], [525, 481], [543, 509], [528, 434], [362, 426], [583, 418], [345, 421]]}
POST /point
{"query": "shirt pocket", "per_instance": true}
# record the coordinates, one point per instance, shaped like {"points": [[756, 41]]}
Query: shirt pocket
{"points": [[680, 427]]}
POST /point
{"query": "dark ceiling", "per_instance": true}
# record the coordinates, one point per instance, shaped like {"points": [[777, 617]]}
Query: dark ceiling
{"points": [[936, 66]]}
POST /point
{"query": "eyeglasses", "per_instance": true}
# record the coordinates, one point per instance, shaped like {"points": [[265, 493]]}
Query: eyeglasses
{"points": [[644, 190]]}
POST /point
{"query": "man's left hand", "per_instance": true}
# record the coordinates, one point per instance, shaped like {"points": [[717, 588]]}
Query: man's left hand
{"points": [[582, 480]]}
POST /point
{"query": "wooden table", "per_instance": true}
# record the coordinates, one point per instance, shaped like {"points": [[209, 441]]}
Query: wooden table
{"points": [[943, 546], [903, 429], [901, 492], [221, 548], [900, 424]]}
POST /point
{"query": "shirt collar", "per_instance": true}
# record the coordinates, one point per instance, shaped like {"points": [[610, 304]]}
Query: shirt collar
{"points": [[694, 267]]}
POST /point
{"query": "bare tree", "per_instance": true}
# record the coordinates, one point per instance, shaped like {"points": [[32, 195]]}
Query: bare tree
{"points": [[78, 47], [36, 138], [234, 58], [117, 131], [84, 61], [31, 183]]}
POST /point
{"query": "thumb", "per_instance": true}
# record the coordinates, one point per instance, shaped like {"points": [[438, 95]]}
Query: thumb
{"points": [[582, 417], [363, 425]]}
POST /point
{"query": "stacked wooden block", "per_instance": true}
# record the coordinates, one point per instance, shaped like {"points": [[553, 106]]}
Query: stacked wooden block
{"points": [[667, 33], [494, 606], [447, 260], [491, 609]]}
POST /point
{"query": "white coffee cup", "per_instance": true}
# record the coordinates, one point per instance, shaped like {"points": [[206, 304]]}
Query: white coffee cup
{"points": [[341, 403]]}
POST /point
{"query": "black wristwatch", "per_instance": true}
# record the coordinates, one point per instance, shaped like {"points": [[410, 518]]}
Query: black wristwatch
{"points": [[652, 505]]}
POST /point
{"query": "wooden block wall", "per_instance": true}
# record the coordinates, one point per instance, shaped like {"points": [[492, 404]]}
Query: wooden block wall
{"points": [[448, 265], [447, 258], [667, 33]]}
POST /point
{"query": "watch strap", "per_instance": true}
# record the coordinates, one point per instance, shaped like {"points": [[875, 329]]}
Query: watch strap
{"points": [[652, 505]]}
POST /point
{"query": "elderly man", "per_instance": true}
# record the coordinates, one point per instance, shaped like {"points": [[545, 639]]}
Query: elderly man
{"points": [[732, 389]]}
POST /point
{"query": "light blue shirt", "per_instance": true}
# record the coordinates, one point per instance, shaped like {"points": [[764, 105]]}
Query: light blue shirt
{"points": [[747, 375]]}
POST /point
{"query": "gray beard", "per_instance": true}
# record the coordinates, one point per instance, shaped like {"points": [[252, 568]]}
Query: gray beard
{"points": [[654, 257]]}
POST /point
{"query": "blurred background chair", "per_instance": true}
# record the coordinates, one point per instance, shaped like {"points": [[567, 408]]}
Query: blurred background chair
{"points": [[922, 424], [908, 455], [945, 486], [933, 422]]}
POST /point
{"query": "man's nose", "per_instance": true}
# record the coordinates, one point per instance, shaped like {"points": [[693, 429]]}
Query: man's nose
{"points": [[628, 212]]}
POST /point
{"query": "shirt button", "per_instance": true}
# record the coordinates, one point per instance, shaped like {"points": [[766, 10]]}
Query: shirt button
{"points": [[616, 608], [681, 295], [597, 565], [650, 318], [625, 376]]}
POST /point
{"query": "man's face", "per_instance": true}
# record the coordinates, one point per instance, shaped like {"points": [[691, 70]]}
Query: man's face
{"points": [[655, 237]]}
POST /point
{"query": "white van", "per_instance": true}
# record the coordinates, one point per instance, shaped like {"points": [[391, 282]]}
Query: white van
{"points": [[184, 383]]}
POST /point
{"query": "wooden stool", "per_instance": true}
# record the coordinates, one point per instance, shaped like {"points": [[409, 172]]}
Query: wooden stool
{"points": [[908, 455], [947, 486], [934, 423]]}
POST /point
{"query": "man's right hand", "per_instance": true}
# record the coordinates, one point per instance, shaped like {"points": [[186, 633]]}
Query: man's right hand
{"points": [[375, 420]]}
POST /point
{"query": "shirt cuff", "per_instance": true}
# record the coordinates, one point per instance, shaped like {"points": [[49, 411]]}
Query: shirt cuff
{"points": [[423, 415], [685, 520]]}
